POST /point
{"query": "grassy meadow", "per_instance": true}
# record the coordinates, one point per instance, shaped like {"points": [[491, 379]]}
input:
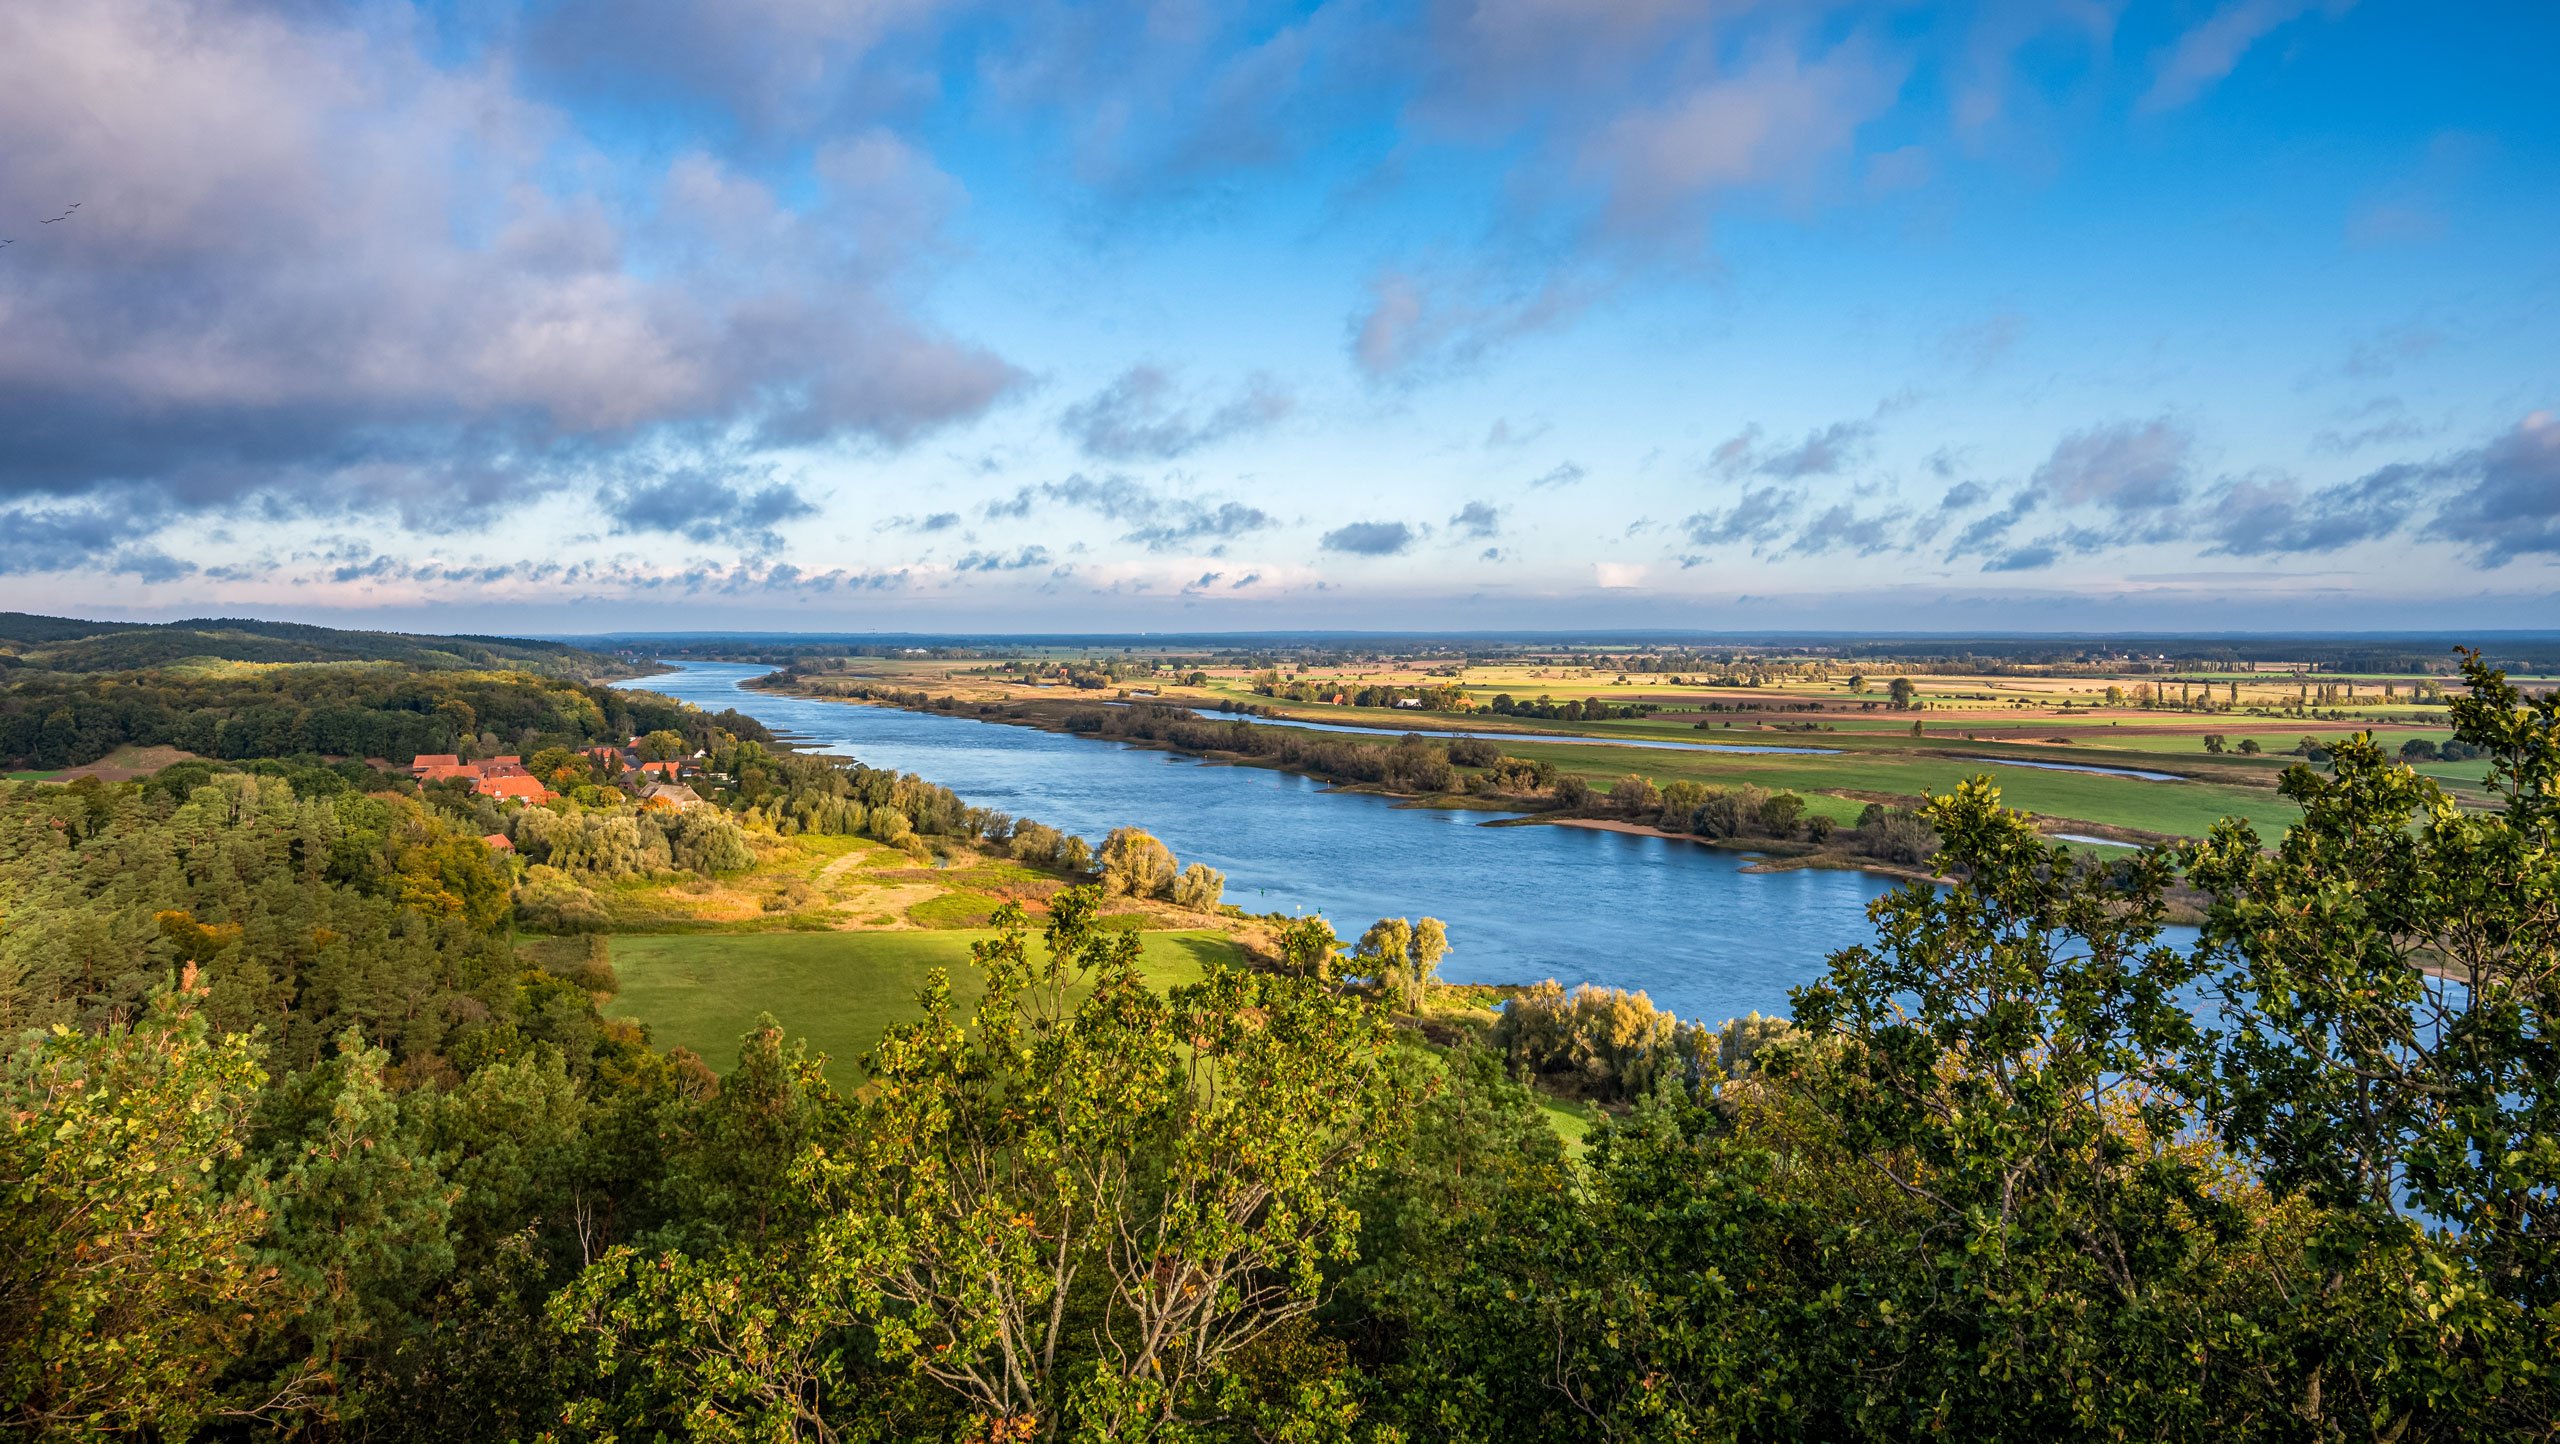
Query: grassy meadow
{"points": [[838, 990]]}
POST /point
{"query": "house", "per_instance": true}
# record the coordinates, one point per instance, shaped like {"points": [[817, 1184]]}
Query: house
{"points": [[443, 770], [668, 770], [1413, 702], [424, 761], [669, 794], [498, 842], [522, 787]]}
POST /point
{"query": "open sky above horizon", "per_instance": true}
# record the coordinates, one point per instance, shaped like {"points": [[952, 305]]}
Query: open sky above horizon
{"points": [[604, 315]]}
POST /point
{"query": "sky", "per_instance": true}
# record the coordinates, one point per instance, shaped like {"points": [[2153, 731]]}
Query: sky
{"points": [[843, 315]]}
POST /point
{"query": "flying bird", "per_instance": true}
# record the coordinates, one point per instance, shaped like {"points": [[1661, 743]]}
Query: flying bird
{"points": [[66, 215]]}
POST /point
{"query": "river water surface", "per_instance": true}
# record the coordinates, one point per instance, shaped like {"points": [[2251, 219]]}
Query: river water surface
{"points": [[1680, 921]]}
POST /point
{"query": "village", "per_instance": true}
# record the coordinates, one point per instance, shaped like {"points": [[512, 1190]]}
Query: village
{"points": [[651, 781]]}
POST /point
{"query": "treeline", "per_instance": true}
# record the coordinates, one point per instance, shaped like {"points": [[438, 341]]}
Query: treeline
{"points": [[1410, 763], [1587, 709], [1888, 834], [389, 711], [1997, 1178], [1426, 698]]}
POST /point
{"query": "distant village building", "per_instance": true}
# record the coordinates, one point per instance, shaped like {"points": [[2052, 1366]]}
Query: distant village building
{"points": [[522, 786], [669, 794], [498, 842], [502, 777]]}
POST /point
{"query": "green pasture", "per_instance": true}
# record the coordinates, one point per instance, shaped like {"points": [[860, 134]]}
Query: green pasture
{"points": [[839, 991], [2185, 809]]}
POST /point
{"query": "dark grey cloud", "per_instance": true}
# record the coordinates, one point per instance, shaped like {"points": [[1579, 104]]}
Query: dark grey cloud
{"points": [[704, 504], [937, 521], [1560, 475], [1843, 528], [1026, 559], [2275, 516], [1986, 533], [587, 580], [1477, 520], [1760, 515], [2126, 467], [1371, 539], [1141, 417], [2509, 502], [102, 535], [1824, 451], [1964, 496], [1191, 523], [321, 270], [1821, 453], [2025, 559], [1158, 520]]}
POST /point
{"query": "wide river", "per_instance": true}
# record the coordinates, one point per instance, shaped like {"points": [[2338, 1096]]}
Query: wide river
{"points": [[1680, 921]]}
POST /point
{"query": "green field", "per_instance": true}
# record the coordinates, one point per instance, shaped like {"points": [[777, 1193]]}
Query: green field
{"points": [[2186, 809], [838, 990]]}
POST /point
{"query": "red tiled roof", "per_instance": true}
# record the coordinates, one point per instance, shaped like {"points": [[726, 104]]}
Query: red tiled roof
{"points": [[523, 788], [442, 770], [498, 842], [425, 760]]}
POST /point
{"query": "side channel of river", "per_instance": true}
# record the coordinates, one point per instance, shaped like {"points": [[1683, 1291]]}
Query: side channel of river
{"points": [[1681, 921]]}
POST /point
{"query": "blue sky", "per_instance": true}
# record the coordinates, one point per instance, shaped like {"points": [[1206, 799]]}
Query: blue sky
{"points": [[916, 314]]}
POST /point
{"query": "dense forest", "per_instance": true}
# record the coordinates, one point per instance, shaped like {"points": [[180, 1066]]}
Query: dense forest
{"points": [[385, 711], [296, 1144]]}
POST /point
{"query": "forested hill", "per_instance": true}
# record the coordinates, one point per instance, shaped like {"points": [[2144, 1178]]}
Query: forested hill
{"points": [[66, 644], [390, 711], [72, 692]]}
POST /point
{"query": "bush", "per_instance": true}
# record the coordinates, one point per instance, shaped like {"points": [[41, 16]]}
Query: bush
{"points": [[1614, 1044], [551, 901], [1136, 864], [1199, 887]]}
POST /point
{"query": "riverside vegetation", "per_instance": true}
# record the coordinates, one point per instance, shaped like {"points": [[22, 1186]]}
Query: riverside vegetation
{"points": [[300, 1139]]}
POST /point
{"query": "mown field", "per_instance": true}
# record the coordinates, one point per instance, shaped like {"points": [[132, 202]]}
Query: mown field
{"points": [[838, 990]]}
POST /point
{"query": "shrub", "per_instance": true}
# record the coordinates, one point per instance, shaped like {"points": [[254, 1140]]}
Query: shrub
{"points": [[551, 901], [1136, 864], [1199, 887]]}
